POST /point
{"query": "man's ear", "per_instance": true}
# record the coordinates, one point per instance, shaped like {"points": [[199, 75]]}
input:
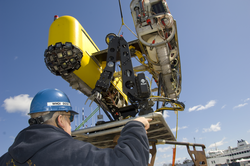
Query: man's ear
{"points": [[60, 121]]}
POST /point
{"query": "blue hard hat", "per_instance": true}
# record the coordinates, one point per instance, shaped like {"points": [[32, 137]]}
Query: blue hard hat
{"points": [[50, 100]]}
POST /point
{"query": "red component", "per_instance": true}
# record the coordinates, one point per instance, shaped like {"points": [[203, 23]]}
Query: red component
{"points": [[148, 21], [153, 42], [163, 22], [116, 113], [56, 17], [169, 45]]}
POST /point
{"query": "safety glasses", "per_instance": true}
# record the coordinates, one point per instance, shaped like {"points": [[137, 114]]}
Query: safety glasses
{"points": [[71, 116]]}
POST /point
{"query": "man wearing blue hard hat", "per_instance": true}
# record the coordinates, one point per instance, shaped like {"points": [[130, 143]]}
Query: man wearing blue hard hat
{"points": [[47, 141], [52, 106]]}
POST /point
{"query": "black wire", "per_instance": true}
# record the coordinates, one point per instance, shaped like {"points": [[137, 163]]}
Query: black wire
{"points": [[105, 111], [120, 8]]}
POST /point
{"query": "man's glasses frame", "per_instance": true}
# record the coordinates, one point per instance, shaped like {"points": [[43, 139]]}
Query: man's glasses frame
{"points": [[71, 116]]}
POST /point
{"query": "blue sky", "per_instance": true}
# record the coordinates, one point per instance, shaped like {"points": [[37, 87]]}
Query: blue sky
{"points": [[214, 49]]}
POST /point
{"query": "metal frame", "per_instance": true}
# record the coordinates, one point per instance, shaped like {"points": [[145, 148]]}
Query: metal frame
{"points": [[103, 135]]}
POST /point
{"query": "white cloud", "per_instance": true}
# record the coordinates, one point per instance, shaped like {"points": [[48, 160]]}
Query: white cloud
{"points": [[162, 163], [201, 107], [184, 140], [165, 114], [15, 58], [194, 108], [213, 127], [181, 147], [166, 155], [164, 149], [179, 128], [248, 131], [216, 144], [223, 106], [240, 105], [247, 100], [180, 159], [197, 130], [20, 103]]}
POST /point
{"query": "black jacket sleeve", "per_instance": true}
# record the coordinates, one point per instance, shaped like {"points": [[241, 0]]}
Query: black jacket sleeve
{"points": [[133, 144], [132, 150]]}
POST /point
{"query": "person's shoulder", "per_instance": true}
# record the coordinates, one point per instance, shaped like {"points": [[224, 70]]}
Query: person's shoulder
{"points": [[5, 158]]}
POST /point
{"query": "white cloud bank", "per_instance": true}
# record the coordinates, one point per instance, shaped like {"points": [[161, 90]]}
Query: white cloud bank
{"points": [[164, 149], [247, 100], [184, 140], [216, 144], [201, 107], [213, 127], [20, 103], [166, 156], [179, 128], [240, 105], [165, 114]]}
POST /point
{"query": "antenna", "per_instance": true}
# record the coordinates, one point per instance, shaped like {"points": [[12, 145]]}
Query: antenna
{"points": [[83, 116], [93, 118], [76, 119]]}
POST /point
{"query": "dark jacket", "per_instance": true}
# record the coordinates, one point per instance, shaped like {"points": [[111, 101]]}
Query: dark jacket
{"points": [[44, 145]]}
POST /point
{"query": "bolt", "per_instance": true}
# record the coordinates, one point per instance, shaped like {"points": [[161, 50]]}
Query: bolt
{"points": [[110, 64]]}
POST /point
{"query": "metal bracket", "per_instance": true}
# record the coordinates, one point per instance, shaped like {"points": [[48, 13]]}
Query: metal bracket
{"points": [[153, 154], [102, 136], [198, 157]]}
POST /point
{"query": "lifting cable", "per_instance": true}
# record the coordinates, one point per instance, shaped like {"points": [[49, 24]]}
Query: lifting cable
{"points": [[174, 149], [123, 22]]}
